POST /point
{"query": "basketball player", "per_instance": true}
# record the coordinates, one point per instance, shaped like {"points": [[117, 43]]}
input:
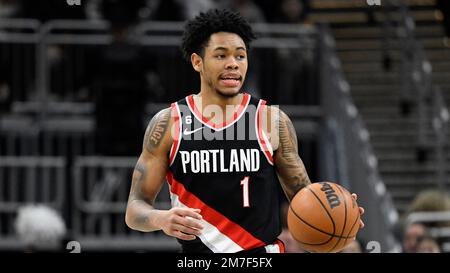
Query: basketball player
{"points": [[218, 152]]}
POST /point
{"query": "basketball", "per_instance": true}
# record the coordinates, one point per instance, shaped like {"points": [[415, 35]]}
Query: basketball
{"points": [[323, 217]]}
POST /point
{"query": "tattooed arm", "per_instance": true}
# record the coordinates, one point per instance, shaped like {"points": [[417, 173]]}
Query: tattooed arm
{"points": [[290, 169], [148, 178]]}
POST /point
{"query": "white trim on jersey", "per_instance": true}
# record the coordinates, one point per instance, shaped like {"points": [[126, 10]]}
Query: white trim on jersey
{"points": [[221, 128], [269, 147], [180, 136], [266, 139], [273, 248], [211, 236]]}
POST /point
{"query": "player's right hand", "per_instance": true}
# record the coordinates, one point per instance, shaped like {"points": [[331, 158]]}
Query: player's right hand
{"points": [[182, 223]]}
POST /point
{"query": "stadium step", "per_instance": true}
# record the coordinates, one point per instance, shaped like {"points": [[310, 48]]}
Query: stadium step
{"points": [[377, 44], [339, 4], [375, 32], [362, 15], [376, 90]]}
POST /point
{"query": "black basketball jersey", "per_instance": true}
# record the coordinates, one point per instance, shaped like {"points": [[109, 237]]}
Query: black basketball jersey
{"points": [[227, 171]]}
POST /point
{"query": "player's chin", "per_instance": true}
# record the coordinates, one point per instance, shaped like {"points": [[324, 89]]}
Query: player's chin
{"points": [[228, 92]]}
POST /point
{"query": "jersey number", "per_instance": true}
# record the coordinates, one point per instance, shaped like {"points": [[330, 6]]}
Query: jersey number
{"points": [[245, 198]]}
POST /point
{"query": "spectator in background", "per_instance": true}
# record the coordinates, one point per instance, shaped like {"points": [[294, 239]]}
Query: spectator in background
{"points": [[40, 228], [428, 245], [247, 8], [293, 11], [413, 234], [193, 7]]}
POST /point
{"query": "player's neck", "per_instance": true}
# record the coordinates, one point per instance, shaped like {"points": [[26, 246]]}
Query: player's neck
{"points": [[210, 97]]}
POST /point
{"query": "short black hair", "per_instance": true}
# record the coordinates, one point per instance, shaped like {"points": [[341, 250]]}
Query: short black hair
{"points": [[198, 30]]}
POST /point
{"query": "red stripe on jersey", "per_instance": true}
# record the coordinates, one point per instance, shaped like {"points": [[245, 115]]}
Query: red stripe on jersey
{"points": [[227, 227], [280, 245], [245, 100], [260, 133], [176, 138]]}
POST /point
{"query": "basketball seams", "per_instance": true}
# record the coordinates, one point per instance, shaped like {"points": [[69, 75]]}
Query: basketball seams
{"points": [[351, 229], [325, 208], [311, 226], [354, 223], [312, 231], [345, 218]]}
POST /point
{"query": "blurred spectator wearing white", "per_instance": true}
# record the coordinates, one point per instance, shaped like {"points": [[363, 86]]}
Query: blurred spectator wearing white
{"points": [[40, 228]]}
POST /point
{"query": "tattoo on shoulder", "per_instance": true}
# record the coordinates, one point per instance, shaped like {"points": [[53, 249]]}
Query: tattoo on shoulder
{"points": [[156, 130]]}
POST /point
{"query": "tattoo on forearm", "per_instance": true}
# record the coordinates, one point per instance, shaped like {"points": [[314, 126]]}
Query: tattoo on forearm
{"points": [[139, 175], [291, 170], [288, 142], [136, 194], [156, 130]]}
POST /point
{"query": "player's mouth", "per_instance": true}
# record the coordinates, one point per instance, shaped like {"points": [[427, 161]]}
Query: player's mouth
{"points": [[230, 79]]}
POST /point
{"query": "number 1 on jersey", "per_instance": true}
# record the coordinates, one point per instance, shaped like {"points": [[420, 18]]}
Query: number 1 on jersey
{"points": [[244, 184]]}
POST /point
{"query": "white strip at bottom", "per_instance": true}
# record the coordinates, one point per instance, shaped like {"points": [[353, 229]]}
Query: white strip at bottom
{"points": [[273, 248], [211, 236]]}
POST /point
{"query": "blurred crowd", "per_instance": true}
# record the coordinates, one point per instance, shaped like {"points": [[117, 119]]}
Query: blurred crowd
{"points": [[123, 73], [426, 236], [158, 10]]}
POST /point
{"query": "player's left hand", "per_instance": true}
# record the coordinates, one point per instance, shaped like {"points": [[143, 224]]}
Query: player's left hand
{"points": [[361, 210]]}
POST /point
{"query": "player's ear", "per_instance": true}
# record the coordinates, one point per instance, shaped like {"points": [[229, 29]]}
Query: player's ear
{"points": [[196, 61]]}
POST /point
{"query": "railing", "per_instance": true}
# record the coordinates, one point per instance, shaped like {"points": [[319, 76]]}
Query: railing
{"points": [[63, 45], [18, 40], [441, 118], [100, 192], [350, 159], [25, 180], [417, 88]]}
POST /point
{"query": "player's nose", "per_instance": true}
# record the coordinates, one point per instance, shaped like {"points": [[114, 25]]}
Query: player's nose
{"points": [[232, 64]]}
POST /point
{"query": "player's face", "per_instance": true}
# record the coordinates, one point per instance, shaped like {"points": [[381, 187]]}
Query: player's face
{"points": [[224, 64]]}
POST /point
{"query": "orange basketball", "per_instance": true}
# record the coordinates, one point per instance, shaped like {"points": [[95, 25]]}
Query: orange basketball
{"points": [[323, 217]]}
